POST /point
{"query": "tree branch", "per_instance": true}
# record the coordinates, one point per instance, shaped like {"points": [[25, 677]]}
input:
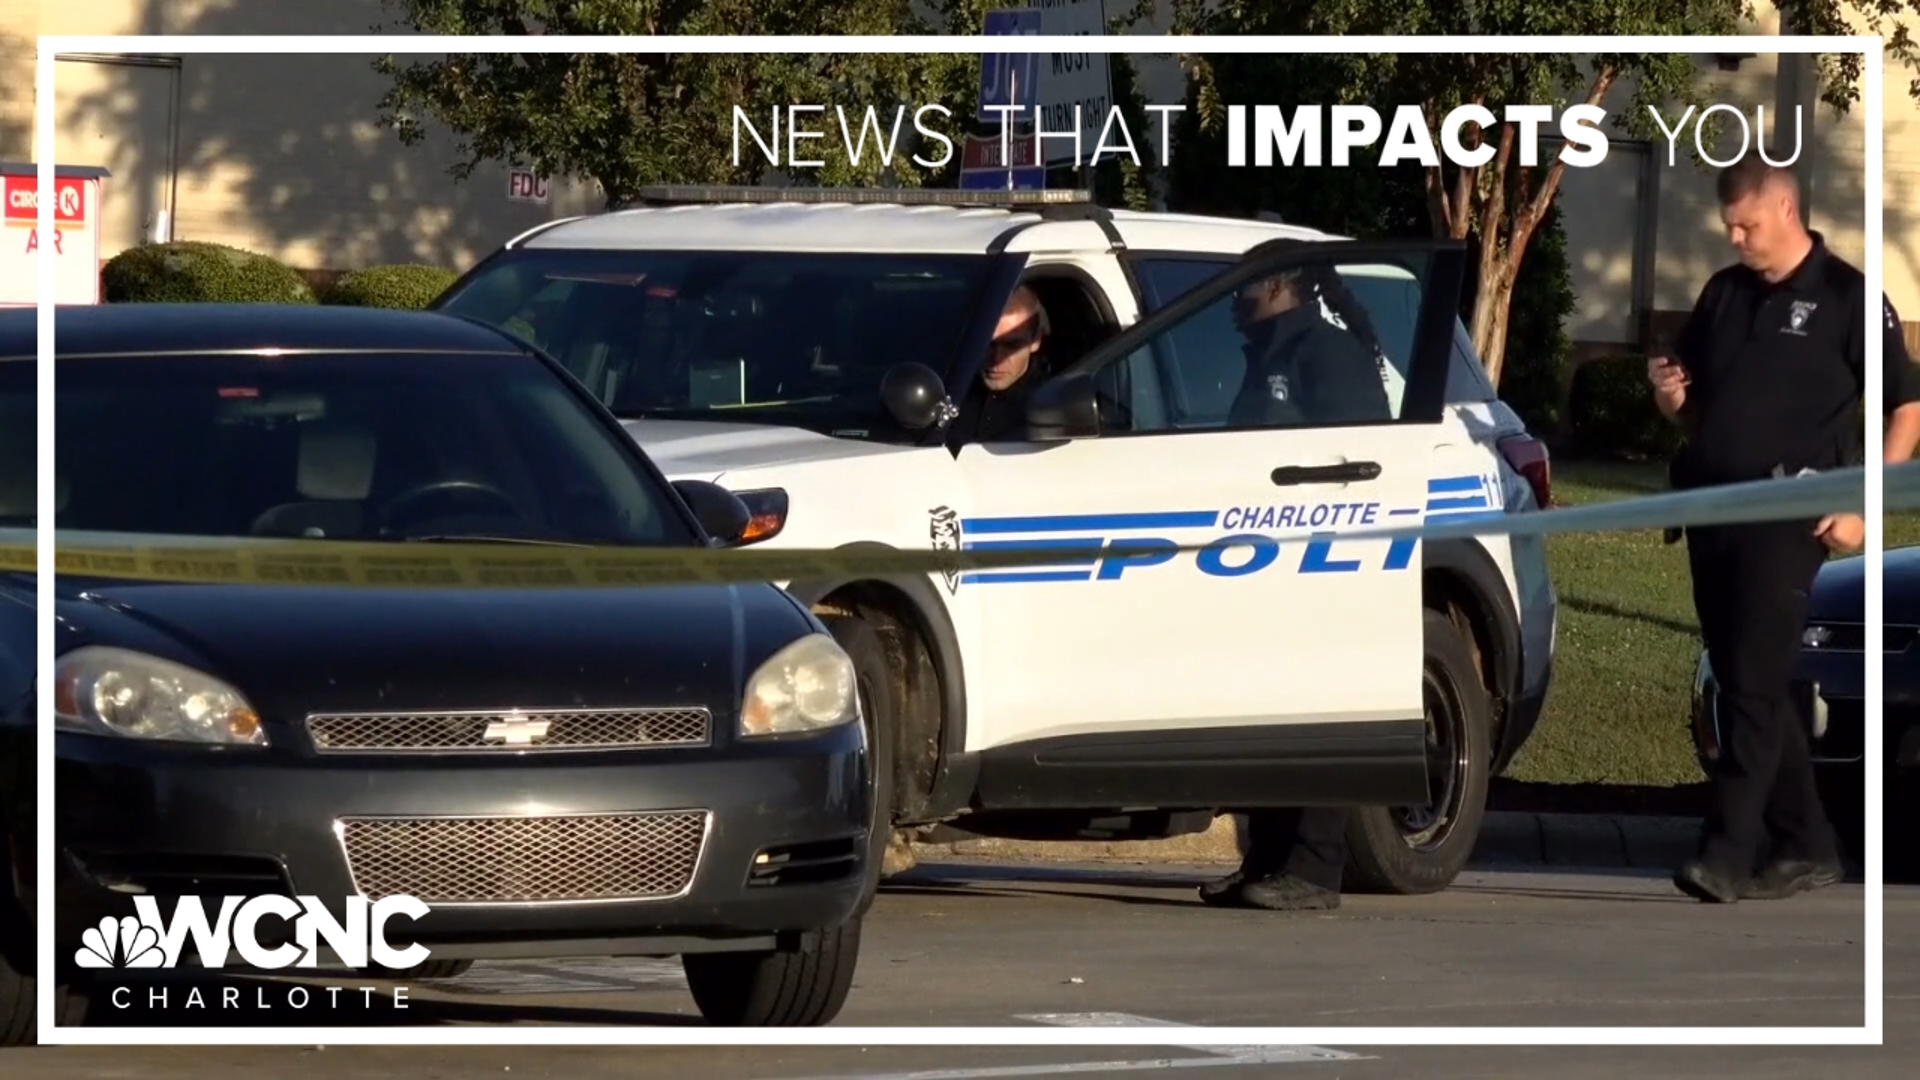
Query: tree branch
{"points": [[1536, 211], [1465, 179]]}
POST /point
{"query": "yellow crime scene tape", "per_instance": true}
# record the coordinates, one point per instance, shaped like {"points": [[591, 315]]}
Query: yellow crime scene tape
{"points": [[251, 561]]}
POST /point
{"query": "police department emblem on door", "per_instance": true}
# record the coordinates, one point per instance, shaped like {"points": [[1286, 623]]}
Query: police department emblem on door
{"points": [[943, 529], [1797, 318]]}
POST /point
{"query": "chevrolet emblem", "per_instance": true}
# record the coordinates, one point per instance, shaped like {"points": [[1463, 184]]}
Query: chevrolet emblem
{"points": [[516, 731]]}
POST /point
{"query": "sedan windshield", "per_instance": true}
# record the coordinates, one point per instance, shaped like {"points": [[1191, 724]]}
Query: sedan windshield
{"points": [[800, 339], [414, 446]]}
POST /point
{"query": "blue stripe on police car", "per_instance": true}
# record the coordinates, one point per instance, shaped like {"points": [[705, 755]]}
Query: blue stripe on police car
{"points": [[1449, 497]]}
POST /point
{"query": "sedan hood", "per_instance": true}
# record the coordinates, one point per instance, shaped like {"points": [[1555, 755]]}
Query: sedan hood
{"points": [[700, 450], [1839, 592], [298, 650]]}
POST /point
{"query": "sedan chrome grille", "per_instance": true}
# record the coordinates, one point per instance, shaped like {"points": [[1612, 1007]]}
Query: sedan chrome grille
{"points": [[509, 729], [552, 859]]}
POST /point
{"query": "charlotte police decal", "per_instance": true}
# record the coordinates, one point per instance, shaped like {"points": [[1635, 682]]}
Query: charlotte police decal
{"points": [[1797, 319], [943, 529]]}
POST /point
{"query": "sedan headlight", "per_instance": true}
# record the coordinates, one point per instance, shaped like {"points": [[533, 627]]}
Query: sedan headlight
{"points": [[807, 686], [105, 691]]}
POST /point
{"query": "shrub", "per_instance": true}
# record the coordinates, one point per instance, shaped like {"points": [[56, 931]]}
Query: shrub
{"points": [[191, 271], [1539, 351], [411, 286], [1612, 412]]}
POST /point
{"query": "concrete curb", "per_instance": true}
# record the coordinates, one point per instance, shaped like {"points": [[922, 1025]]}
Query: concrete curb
{"points": [[1506, 839]]}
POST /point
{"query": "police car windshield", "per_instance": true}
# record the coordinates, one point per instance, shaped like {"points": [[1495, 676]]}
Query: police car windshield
{"points": [[799, 339], [18, 450], [361, 446]]}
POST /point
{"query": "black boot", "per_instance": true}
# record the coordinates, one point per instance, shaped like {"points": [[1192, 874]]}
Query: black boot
{"points": [[1284, 892], [1223, 892], [1706, 884], [1782, 878]]}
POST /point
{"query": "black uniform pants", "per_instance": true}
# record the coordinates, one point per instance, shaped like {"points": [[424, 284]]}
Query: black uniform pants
{"points": [[1750, 591], [1309, 844]]}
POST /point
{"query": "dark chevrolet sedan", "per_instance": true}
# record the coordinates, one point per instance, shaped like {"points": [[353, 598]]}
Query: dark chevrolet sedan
{"points": [[1831, 676], [675, 770]]}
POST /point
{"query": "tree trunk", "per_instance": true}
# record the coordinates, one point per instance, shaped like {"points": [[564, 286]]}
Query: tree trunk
{"points": [[1498, 301], [1500, 259]]}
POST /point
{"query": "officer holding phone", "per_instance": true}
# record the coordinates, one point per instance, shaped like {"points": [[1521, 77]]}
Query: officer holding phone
{"points": [[1765, 379]]}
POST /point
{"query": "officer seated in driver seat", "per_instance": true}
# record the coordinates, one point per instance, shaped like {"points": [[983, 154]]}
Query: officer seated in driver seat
{"points": [[999, 412]]}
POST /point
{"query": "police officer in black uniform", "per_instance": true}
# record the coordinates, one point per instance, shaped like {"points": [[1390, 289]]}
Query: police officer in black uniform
{"points": [[997, 410], [1765, 380], [1301, 369]]}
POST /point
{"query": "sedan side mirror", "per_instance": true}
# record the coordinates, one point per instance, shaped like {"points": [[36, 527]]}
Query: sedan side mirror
{"points": [[1065, 408], [720, 512]]}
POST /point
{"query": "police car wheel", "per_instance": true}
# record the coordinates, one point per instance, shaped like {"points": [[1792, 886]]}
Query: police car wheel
{"points": [[805, 987], [1413, 850], [875, 684]]}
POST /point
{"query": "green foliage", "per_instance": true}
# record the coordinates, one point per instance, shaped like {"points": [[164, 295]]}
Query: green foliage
{"points": [[411, 286], [1500, 206], [1613, 414], [190, 271], [631, 119]]}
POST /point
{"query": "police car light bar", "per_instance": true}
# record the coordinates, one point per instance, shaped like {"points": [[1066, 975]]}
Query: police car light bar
{"points": [[724, 193]]}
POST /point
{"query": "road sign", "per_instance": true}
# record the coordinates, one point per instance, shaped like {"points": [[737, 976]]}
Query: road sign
{"points": [[523, 185], [983, 168], [983, 152], [1067, 79], [1033, 179], [1009, 78], [75, 243]]}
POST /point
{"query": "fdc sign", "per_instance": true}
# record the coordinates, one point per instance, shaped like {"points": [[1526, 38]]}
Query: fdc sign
{"points": [[145, 940]]}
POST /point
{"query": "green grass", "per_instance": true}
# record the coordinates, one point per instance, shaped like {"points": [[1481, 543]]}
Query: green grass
{"points": [[1616, 712]]}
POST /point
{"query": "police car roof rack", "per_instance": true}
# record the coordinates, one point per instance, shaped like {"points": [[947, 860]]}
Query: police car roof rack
{"points": [[1067, 204]]}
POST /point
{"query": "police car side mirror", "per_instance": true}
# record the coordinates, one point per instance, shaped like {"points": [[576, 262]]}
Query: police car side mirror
{"points": [[1064, 408], [720, 512], [915, 396]]}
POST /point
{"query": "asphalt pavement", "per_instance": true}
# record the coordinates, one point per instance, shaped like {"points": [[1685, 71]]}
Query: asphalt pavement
{"points": [[965, 944]]}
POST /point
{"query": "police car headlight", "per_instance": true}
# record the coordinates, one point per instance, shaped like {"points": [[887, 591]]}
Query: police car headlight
{"points": [[105, 691], [807, 686]]}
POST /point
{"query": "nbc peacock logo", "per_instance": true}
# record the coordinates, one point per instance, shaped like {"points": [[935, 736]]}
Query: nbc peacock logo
{"points": [[120, 943]]}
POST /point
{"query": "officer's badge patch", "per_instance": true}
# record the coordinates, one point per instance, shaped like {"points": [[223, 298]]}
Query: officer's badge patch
{"points": [[1797, 318], [943, 529], [1277, 385]]}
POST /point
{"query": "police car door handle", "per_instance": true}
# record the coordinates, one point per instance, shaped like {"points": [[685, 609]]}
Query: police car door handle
{"points": [[1346, 473]]}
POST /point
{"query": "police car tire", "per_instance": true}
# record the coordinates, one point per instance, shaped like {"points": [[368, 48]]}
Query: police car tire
{"points": [[874, 676], [1379, 858], [806, 987]]}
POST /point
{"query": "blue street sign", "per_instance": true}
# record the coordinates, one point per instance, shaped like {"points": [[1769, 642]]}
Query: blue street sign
{"points": [[1009, 78], [1032, 179]]}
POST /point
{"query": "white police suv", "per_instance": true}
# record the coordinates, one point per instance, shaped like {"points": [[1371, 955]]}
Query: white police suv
{"points": [[809, 349]]}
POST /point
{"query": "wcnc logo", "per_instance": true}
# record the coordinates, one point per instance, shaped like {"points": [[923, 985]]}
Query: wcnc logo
{"points": [[145, 940]]}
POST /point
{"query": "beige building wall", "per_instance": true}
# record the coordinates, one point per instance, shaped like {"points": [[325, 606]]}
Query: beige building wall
{"points": [[274, 153]]}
